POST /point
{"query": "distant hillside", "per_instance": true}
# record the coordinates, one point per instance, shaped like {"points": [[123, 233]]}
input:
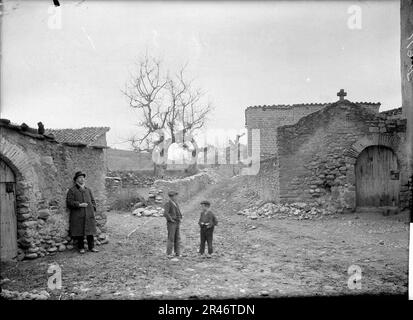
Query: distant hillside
{"points": [[128, 160]]}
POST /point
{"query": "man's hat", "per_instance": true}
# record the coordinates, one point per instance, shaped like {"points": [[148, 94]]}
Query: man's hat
{"points": [[172, 193], [78, 174], [206, 202]]}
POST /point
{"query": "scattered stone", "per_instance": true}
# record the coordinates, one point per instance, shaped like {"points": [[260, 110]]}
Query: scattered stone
{"points": [[147, 213], [138, 211], [299, 211], [381, 242], [104, 241], [62, 247], [31, 256], [52, 249]]}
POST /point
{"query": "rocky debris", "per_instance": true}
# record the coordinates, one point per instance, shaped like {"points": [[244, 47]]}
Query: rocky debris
{"points": [[150, 211], [298, 211], [33, 295]]}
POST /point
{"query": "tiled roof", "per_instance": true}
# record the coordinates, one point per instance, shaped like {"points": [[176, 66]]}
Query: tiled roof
{"points": [[86, 135]]}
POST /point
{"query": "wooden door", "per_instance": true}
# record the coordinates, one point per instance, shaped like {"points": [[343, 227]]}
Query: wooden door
{"points": [[8, 221], [377, 180]]}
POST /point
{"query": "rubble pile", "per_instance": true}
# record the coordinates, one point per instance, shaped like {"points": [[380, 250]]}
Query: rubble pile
{"points": [[149, 211], [151, 207], [298, 211]]}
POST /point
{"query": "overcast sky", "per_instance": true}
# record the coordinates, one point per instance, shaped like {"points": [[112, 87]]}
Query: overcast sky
{"points": [[241, 53]]}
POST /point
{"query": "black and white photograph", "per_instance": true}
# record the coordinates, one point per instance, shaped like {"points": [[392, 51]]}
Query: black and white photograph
{"points": [[233, 151]]}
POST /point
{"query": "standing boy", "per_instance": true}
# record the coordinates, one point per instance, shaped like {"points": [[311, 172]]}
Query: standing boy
{"points": [[173, 216], [207, 222]]}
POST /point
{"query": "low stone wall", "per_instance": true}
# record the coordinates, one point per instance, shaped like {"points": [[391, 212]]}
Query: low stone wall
{"points": [[123, 187], [186, 187]]}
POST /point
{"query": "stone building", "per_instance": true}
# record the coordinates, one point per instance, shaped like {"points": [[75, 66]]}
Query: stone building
{"points": [[36, 170], [343, 155]]}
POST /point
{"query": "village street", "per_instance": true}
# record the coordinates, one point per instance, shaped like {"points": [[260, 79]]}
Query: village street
{"points": [[254, 258]]}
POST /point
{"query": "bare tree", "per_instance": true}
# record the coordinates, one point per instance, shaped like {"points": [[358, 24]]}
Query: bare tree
{"points": [[164, 102]]}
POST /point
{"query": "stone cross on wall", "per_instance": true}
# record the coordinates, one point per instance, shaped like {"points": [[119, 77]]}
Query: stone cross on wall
{"points": [[341, 94]]}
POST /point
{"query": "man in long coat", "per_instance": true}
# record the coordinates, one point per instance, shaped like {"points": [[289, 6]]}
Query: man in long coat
{"points": [[173, 217], [82, 207]]}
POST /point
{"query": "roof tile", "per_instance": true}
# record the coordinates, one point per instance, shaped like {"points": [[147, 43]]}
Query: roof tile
{"points": [[86, 135]]}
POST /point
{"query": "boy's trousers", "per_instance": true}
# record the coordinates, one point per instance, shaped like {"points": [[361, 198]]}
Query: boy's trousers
{"points": [[206, 235]]}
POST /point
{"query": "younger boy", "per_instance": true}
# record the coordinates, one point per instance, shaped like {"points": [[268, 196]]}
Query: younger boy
{"points": [[207, 222]]}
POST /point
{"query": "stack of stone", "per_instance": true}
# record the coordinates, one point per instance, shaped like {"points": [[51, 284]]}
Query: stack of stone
{"points": [[298, 211], [155, 196], [33, 295]]}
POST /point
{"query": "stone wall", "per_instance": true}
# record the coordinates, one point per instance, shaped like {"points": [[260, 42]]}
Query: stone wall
{"points": [[44, 171], [269, 118], [317, 155], [124, 186], [186, 187], [266, 182]]}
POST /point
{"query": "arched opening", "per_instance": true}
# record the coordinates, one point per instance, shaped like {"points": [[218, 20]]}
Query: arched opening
{"points": [[8, 216], [377, 177]]}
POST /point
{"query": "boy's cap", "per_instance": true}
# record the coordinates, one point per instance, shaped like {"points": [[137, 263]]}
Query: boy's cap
{"points": [[206, 202]]}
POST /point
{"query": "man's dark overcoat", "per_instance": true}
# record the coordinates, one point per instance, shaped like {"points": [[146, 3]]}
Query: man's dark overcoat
{"points": [[82, 220]]}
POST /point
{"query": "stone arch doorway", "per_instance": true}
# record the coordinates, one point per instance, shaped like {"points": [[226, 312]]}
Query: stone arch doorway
{"points": [[377, 177], [8, 216]]}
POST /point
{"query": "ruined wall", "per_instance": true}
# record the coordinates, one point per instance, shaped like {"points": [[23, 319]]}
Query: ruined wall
{"points": [[317, 155], [44, 171]]}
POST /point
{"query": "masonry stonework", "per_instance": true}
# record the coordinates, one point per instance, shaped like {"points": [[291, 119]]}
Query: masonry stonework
{"points": [[308, 152], [317, 155], [44, 171]]}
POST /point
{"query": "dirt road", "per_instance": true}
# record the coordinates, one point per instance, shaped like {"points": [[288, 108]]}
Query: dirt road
{"points": [[264, 257]]}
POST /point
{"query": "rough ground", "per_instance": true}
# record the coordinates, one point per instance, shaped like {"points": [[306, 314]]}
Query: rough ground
{"points": [[277, 258]]}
